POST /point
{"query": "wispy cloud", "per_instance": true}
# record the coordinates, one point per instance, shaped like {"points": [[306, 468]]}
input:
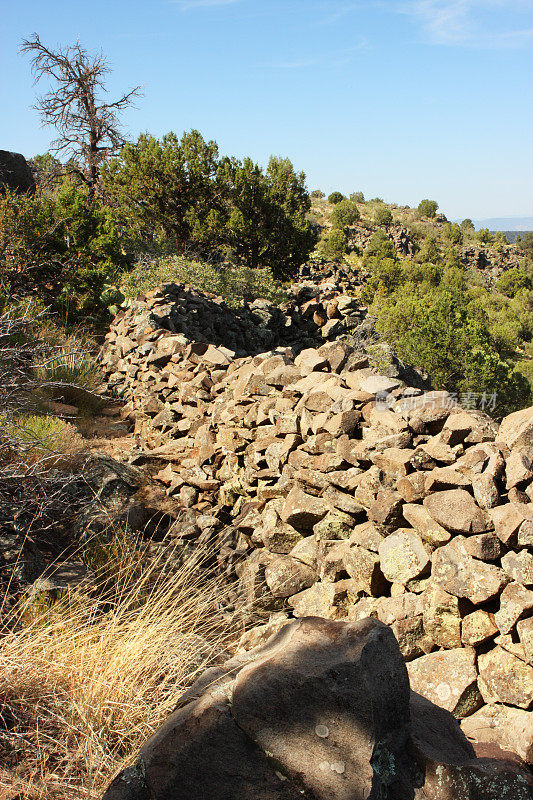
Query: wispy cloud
{"points": [[457, 22], [187, 5]]}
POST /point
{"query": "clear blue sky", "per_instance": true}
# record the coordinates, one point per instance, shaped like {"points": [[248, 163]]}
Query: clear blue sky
{"points": [[403, 100]]}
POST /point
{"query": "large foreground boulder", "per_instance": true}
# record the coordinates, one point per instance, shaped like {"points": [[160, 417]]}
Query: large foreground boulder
{"points": [[323, 710]]}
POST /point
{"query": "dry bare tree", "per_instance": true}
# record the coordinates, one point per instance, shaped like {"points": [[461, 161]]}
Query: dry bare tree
{"points": [[88, 128]]}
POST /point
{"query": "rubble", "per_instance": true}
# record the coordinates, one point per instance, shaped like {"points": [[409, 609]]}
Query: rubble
{"points": [[335, 491]]}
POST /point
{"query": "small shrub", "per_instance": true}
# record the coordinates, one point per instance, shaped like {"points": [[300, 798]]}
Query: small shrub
{"points": [[380, 246], [389, 272], [32, 438], [526, 244], [429, 252], [452, 258], [357, 197], [485, 236], [335, 197], [513, 281], [317, 193], [453, 233], [383, 215], [333, 245], [233, 283], [467, 225], [344, 213], [70, 365], [427, 208]]}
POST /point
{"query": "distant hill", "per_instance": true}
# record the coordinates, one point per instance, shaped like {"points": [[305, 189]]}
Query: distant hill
{"points": [[510, 224], [512, 236]]}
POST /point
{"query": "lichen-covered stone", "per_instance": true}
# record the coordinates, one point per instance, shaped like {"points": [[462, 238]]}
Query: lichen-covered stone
{"points": [[504, 678], [403, 556]]}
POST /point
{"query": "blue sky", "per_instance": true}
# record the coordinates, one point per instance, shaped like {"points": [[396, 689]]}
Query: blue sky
{"points": [[402, 100]]}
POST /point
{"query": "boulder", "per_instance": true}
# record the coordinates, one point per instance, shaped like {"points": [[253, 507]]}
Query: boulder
{"points": [[403, 556], [449, 765], [419, 517], [286, 576], [458, 573], [15, 173], [519, 567], [478, 627], [516, 430], [449, 679], [322, 710], [442, 620], [323, 703], [302, 510], [511, 728], [515, 602], [456, 511], [504, 678], [524, 628]]}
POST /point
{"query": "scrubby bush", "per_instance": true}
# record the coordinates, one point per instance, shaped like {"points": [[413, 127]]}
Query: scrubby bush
{"points": [[513, 281], [333, 245], [484, 236], [357, 197], [428, 208], [233, 283], [379, 246], [526, 244], [179, 192], [388, 272], [438, 331], [425, 275], [467, 338], [335, 197], [58, 248], [382, 215], [467, 225], [453, 233], [318, 193], [31, 438], [429, 251], [345, 213]]}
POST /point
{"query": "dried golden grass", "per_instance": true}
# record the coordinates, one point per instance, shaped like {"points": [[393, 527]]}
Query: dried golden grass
{"points": [[84, 681]]}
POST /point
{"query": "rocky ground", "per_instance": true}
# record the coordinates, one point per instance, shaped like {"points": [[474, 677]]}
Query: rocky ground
{"points": [[327, 481], [329, 489]]}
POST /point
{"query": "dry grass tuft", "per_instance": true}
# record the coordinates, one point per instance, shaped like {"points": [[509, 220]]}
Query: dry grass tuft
{"points": [[28, 440], [84, 680]]}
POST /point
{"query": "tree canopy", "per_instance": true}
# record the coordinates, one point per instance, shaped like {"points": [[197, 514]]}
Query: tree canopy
{"points": [[182, 193]]}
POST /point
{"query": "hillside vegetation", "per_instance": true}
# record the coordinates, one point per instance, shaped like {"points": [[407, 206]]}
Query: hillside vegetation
{"points": [[455, 302]]}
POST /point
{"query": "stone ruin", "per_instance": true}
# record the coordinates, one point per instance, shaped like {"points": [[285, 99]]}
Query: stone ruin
{"points": [[327, 489]]}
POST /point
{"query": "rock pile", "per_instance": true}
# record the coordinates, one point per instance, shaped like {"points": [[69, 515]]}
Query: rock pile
{"points": [[322, 711], [333, 491]]}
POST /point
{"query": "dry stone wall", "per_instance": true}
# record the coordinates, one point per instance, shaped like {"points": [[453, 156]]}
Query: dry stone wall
{"points": [[331, 490]]}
